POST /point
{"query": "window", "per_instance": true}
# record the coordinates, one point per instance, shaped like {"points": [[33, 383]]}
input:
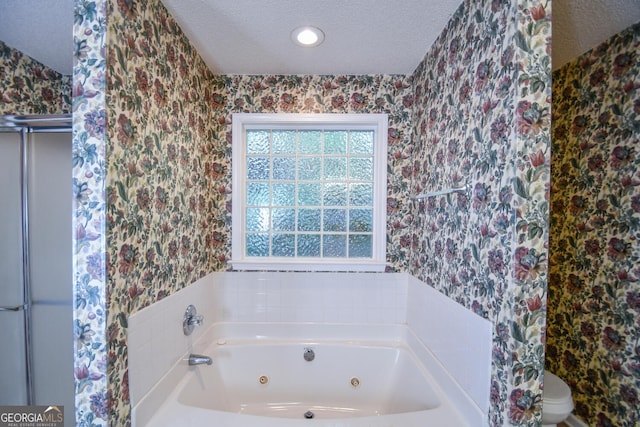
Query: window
{"points": [[309, 192]]}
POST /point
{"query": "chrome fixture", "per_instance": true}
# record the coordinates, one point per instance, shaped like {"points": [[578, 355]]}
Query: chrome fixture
{"points": [[355, 382], [16, 308], [308, 415], [198, 359], [191, 319], [309, 354], [34, 123], [466, 190]]}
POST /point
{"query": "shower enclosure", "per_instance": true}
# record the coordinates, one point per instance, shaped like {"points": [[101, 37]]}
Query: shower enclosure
{"points": [[36, 314]]}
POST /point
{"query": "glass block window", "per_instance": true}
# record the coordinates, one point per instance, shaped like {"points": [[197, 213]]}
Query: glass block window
{"points": [[309, 191]]}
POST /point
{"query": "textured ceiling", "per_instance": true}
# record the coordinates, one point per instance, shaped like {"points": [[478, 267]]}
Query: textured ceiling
{"points": [[43, 29], [579, 25], [362, 36]]}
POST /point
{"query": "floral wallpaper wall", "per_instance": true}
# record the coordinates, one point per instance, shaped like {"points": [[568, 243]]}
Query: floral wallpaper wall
{"points": [[482, 119], [594, 269], [28, 87], [390, 94], [89, 243], [152, 166], [168, 178], [167, 174]]}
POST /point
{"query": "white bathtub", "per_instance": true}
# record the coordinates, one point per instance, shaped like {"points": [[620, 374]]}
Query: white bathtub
{"points": [[378, 377]]}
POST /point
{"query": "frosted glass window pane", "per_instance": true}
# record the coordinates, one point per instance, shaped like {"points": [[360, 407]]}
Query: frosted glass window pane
{"points": [[361, 195], [309, 188], [284, 142], [258, 194], [284, 219], [309, 245], [284, 194], [284, 245], [335, 168], [361, 220], [361, 169], [284, 168], [335, 142], [310, 142], [360, 246], [335, 194], [258, 167], [309, 168], [334, 245], [258, 141], [309, 220], [257, 245], [309, 194], [257, 219], [361, 142], [335, 220]]}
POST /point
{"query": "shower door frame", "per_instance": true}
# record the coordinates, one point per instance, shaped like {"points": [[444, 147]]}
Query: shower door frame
{"points": [[26, 125]]}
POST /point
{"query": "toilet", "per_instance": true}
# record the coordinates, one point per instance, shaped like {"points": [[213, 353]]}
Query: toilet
{"points": [[556, 400]]}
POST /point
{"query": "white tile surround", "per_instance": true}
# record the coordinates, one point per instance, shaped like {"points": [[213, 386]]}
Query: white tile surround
{"points": [[156, 341], [460, 339]]}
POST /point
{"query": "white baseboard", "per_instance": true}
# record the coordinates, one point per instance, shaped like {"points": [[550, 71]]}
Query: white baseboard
{"points": [[574, 421]]}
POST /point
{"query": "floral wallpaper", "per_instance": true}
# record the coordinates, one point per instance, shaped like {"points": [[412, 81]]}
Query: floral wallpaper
{"points": [[28, 87], [167, 174], [482, 119], [594, 268], [168, 161], [391, 94], [152, 167], [89, 244]]}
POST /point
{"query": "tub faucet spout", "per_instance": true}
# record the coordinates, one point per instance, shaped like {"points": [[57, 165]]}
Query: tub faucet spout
{"points": [[198, 359]]}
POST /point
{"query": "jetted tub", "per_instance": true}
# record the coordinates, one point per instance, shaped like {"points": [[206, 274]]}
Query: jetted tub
{"points": [[384, 378]]}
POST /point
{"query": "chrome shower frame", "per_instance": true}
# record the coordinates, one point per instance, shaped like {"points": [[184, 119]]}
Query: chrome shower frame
{"points": [[26, 125]]}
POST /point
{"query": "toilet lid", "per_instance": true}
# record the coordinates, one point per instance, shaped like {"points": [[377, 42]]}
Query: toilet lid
{"points": [[555, 390]]}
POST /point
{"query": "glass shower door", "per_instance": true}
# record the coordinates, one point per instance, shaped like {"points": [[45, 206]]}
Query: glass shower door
{"points": [[50, 269], [13, 386], [36, 290]]}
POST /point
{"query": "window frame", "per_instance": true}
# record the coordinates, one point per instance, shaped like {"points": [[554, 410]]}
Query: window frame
{"points": [[369, 121]]}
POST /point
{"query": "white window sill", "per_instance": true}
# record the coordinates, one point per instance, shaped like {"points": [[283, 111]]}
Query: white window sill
{"points": [[310, 265]]}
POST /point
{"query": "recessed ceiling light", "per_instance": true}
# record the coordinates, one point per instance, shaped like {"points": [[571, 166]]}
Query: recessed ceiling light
{"points": [[307, 36]]}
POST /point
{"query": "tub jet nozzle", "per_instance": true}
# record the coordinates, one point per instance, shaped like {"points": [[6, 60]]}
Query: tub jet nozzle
{"points": [[308, 415], [309, 354]]}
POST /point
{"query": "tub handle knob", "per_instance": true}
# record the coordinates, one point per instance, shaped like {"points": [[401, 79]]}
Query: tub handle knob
{"points": [[191, 319]]}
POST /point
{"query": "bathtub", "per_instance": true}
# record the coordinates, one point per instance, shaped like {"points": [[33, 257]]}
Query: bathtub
{"points": [[377, 377]]}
